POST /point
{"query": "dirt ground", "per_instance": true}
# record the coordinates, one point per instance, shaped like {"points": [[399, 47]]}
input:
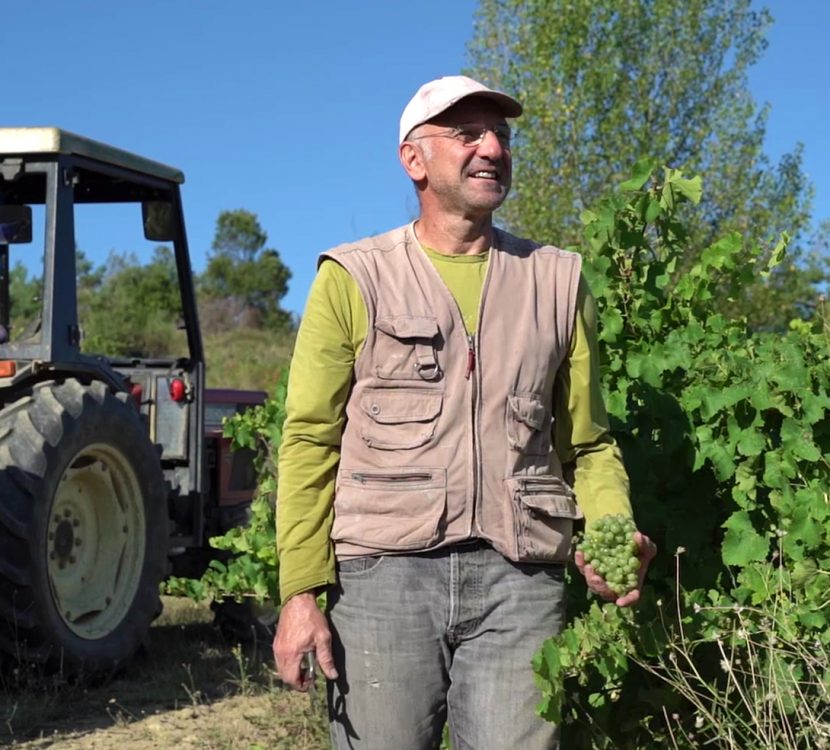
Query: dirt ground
{"points": [[192, 688]]}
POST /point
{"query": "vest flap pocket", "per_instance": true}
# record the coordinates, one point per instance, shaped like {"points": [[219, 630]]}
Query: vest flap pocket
{"points": [[544, 510], [399, 419], [405, 348], [557, 506], [408, 326], [528, 409], [529, 425], [389, 509], [547, 494], [401, 405]]}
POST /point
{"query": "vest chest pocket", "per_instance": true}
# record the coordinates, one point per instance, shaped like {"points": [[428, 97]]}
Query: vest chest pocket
{"points": [[544, 511], [399, 418], [528, 424], [406, 348]]}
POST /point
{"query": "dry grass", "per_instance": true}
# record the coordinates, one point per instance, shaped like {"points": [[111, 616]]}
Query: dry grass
{"points": [[191, 689], [246, 358], [771, 688]]}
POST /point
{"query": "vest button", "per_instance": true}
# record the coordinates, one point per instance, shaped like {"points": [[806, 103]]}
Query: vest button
{"points": [[374, 409]]}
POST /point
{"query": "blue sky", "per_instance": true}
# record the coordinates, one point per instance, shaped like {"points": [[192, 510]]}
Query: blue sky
{"points": [[290, 110]]}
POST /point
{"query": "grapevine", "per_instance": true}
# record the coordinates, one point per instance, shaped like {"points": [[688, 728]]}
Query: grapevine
{"points": [[725, 433], [252, 570]]}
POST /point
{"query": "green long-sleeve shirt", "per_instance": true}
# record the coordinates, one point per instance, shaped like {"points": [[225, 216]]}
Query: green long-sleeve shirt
{"points": [[331, 335]]}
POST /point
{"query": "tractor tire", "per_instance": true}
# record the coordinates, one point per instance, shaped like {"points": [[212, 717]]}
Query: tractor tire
{"points": [[83, 528]]}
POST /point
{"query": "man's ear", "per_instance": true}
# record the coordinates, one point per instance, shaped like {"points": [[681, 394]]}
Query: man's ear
{"points": [[412, 160]]}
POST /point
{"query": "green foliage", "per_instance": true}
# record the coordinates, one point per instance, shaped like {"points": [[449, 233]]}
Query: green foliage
{"points": [[252, 569], [129, 309], [605, 82], [239, 235], [24, 297], [244, 279], [725, 435]]}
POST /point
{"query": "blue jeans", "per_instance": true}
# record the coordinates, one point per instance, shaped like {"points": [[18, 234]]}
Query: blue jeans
{"points": [[443, 636]]}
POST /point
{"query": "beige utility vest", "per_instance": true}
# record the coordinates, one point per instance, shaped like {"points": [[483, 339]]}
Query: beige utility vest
{"points": [[448, 437]]}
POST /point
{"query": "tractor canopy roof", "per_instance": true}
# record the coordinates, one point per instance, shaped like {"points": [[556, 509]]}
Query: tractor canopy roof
{"points": [[56, 141]]}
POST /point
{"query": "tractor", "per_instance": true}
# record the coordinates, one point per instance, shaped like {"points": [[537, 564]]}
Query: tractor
{"points": [[113, 470]]}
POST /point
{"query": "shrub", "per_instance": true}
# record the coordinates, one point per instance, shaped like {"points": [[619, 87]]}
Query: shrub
{"points": [[252, 571], [725, 437]]}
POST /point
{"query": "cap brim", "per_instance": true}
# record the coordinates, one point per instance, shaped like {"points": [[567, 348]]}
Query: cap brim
{"points": [[510, 107]]}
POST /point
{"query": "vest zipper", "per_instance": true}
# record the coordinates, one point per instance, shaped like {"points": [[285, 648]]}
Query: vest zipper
{"points": [[471, 356], [535, 486], [475, 391], [391, 478]]}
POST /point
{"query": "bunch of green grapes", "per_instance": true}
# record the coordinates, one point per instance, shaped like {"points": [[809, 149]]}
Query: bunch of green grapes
{"points": [[609, 548]]}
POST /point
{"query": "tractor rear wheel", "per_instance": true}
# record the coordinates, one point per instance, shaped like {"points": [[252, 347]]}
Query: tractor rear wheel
{"points": [[83, 527]]}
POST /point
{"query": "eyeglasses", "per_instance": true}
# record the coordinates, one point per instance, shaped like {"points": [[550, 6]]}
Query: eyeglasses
{"points": [[471, 134]]}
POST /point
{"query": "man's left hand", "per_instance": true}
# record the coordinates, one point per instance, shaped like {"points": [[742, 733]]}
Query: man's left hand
{"points": [[597, 584]]}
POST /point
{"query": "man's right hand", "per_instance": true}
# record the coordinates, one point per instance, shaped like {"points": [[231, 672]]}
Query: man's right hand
{"points": [[302, 628]]}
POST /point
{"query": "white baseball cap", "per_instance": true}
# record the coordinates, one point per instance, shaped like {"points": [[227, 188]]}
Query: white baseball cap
{"points": [[439, 95]]}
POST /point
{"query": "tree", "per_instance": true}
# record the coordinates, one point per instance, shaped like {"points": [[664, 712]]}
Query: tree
{"points": [[244, 280], [129, 309], [605, 83], [24, 294]]}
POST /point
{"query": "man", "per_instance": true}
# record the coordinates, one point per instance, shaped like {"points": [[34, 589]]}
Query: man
{"points": [[444, 385]]}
